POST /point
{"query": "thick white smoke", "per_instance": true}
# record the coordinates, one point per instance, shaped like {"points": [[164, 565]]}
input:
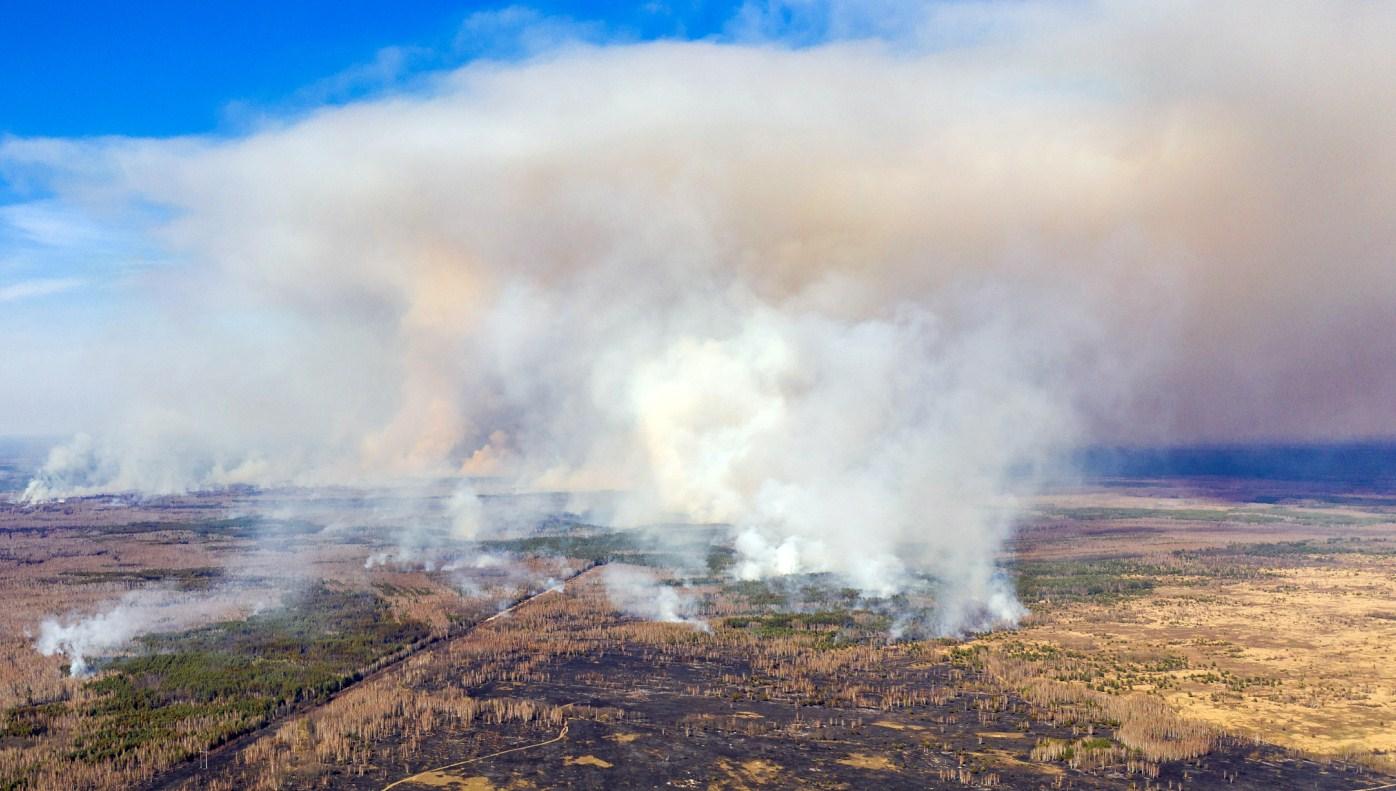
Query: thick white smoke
{"points": [[849, 298], [640, 594], [80, 637], [421, 536], [873, 449]]}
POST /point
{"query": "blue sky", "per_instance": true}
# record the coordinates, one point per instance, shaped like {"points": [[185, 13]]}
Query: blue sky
{"points": [[171, 67]]}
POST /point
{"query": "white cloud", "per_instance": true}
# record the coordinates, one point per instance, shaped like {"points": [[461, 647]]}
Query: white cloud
{"points": [[42, 287], [515, 32]]}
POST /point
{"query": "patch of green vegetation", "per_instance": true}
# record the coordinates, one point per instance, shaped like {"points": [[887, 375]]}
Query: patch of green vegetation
{"points": [[241, 527], [1098, 513], [1243, 515], [1096, 580], [1032, 652], [790, 621], [720, 559], [1167, 663], [1313, 517], [225, 679], [28, 721], [199, 578], [968, 655], [757, 593], [689, 548], [823, 628], [1280, 549]]}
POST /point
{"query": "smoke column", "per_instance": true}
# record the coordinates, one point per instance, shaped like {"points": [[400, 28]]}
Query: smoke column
{"points": [[80, 637], [636, 592], [852, 298]]}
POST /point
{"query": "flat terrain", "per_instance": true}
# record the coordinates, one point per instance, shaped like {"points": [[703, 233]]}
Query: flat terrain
{"points": [[1182, 634]]}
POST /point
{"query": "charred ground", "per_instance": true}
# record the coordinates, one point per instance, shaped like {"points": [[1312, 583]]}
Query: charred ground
{"points": [[1173, 642]]}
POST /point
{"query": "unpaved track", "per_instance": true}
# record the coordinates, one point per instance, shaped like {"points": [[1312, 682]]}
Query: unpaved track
{"points": [[410, 778], [196, 767]]}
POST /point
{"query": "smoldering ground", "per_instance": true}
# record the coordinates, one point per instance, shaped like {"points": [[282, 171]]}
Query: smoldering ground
{"points": [[846, 298], [82, 637], [640, 593]]}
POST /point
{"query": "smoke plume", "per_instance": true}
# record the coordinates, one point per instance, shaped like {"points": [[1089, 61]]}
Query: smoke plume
{"points": [[80, 637], [851, 298], [640, 594]]}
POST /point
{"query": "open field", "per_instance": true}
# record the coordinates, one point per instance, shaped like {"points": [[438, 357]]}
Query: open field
{"points": [[1283, 635], [1173, 641]]}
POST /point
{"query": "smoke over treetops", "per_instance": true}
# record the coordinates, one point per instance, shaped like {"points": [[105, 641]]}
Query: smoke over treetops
{"points": [[850, 298]]}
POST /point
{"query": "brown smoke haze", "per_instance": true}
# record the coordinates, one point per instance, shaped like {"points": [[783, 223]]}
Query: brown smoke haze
{"points": [[796, 289]]}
